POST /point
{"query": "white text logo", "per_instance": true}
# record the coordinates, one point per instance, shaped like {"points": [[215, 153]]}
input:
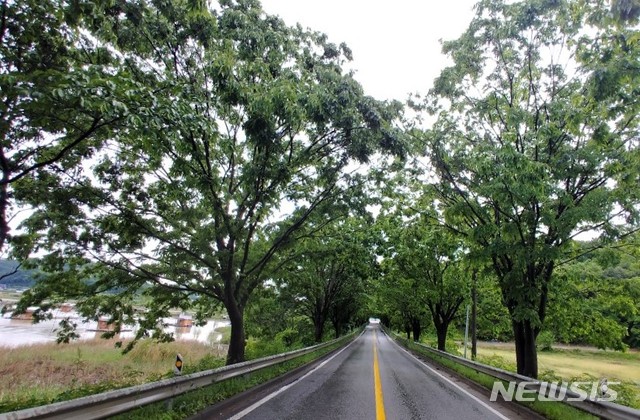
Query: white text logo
{"points": [[554, 391]]}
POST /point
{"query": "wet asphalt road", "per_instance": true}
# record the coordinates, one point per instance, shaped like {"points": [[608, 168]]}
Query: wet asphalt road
{"points": [[345, 388]]}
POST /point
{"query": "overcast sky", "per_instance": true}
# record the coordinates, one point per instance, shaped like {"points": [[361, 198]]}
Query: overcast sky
{"points": [[395, 44]]}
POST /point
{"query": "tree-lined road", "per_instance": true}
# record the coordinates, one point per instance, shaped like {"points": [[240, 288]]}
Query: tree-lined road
{"points": [[372, 378]]}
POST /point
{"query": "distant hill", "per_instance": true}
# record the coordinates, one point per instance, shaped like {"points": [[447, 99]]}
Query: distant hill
{"points": [[21, 279]]}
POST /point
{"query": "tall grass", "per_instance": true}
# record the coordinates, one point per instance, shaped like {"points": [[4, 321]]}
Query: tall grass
{"points": [[44, 373], [575, 362], [578, 365]]}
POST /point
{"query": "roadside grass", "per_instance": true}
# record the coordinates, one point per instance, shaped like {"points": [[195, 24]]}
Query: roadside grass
{"points": [[191, 403], [579, 364], [45, 373], [571, 363], [549, 409]]}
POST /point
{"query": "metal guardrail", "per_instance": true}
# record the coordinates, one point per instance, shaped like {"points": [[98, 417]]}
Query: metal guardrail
{"points": [[602, 409], [121, 400]]}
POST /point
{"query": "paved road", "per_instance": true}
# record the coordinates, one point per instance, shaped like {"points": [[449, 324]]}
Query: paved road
{"points": [[372, 378]]}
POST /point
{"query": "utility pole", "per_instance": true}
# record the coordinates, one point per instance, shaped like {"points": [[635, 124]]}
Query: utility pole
{"points": [[466, 333], [474, 314]]}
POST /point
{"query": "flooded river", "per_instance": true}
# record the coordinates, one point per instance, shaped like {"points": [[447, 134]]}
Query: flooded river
{"points": [[15, 332]]}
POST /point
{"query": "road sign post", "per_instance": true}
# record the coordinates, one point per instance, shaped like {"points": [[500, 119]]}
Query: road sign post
{"points": [[177, 369]]}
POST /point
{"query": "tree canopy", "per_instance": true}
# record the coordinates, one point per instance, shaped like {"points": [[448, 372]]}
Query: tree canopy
{"points": [[325, 276], [57, 88], [422, 264], [238, 130], [192, 155], [535, 142]]}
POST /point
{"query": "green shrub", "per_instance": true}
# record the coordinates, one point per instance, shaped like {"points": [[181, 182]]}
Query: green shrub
{"points": [[545, 341], [208, 362], [257, 348], [289, 337]]}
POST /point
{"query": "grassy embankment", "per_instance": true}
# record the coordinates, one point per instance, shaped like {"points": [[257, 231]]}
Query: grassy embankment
{"points": [[571, 362], [44, 373], [577, 364]]}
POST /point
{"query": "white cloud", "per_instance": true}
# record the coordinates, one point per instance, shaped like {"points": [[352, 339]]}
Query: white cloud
{"points": [[395, 44]]}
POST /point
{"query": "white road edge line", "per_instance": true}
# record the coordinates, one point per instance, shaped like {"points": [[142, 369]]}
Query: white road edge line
{"points": [[478, 400], [285, 387]]}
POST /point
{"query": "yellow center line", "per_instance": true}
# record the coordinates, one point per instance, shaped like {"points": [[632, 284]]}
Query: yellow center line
{"points": [[377, 382]]}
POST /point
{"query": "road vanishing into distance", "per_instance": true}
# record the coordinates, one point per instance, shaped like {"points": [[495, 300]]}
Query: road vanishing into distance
{"points": [[371, 378]]}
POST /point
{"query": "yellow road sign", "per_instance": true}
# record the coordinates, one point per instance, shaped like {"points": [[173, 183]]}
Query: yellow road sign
{"points": [[178, 366]]}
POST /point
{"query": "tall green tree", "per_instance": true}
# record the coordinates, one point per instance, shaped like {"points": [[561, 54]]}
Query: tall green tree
{"points": [[429, 257], [493, 322], [327, 272], [243, 132], [397, 295], [398, 299], [595, 297], [266, 314], [423, 274], [536, 141], [581, 302]]}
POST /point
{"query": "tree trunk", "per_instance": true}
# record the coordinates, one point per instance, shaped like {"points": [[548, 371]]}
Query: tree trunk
{"points": [[386, 321], [4, 226], [340, 329], [416, 328], [441, 332], [237, 340], [338, 322], [337, 328], [318, 328], [526, 352], [474, 314]]}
